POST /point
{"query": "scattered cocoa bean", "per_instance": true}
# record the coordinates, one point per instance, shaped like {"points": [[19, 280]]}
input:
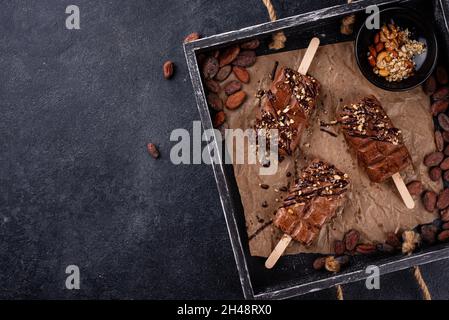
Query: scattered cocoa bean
{"points": [[393, 240], [229, 55], [168, 69], [385, 247], [246, 58], [446, 176], [264, 204], [214, 101], [250, 45], [415, 188], [192, 37], [443, 199], [241, 73], [439, 106], [318, 264], [235, 100], [430, 86], [443, 236], [444, 165], [283, 189], [232, 87], [443, 121], [441, 93], [445, 226], [153, 151], [439, 142], [430, 200], [429, 233], [351, 239], [433, 159], [445, 135], [219, 119], [264, 186], [343, 260], [210, 67], [339, 247], [441, 75], [435, 173], [223, 73], [444, 215], [212, 86], [366, 248]]}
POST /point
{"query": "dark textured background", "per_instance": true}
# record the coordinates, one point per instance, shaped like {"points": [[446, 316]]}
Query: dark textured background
{"points": [[76, 183]]}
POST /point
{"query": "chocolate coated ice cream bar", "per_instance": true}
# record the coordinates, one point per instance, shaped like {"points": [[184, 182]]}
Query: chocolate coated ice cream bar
{"points": [[315, 199], [377, 143], [290, 102]]}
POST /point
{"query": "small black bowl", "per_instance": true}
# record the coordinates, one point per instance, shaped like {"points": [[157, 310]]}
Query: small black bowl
{"points": [[420, 30]]}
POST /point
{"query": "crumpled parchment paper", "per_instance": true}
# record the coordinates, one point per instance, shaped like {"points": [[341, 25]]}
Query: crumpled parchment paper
{"points": [[372, 209]]}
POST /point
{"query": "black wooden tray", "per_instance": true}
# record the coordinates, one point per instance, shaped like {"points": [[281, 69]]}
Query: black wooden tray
{"points": [[294, 275]]}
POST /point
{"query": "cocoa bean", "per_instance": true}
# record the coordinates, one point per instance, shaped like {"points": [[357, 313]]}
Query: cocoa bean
{"points": [[219, 119], [232, 87], [446, 150], [250, 45], [366, 248], [439, 106], [441, 75], [223, 73], [443, 236], [443, 199], [445, 135], [214, 101], [264, 186], [234, 101], [430, 86], [318, 264], [446, 176], [229, 55], [429, 233], [441, 93], [168, 69], [241, 73], [444, 165], [435, 173], [246, 58], [351, 239], [415, 188], [153, 151], [443, 121], [433, 159], [444, 215], [339, 247], [430, 200], [192, 37], [445, 226], [393, 240], [385, 247], [210, 67], [439, 142], [212, 86]]}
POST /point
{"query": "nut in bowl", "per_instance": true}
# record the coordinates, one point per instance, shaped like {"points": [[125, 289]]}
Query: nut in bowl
{"points": [[401, 54]]}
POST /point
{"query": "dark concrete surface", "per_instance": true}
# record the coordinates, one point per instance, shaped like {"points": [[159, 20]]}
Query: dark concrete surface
{"points": [[76, 183]]}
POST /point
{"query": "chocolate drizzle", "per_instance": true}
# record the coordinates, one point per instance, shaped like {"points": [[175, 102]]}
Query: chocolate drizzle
{"points": [[290, 101], [367, 119]]}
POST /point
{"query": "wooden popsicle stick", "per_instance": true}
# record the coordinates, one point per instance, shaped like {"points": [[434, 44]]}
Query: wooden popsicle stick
{"points": [[286, 239], [403, 191], [309, 55], [278, 251]]}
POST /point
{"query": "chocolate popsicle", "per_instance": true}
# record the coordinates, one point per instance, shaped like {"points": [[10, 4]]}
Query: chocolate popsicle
{"points": [[377, 143], [315, 199], [290, 101]]}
